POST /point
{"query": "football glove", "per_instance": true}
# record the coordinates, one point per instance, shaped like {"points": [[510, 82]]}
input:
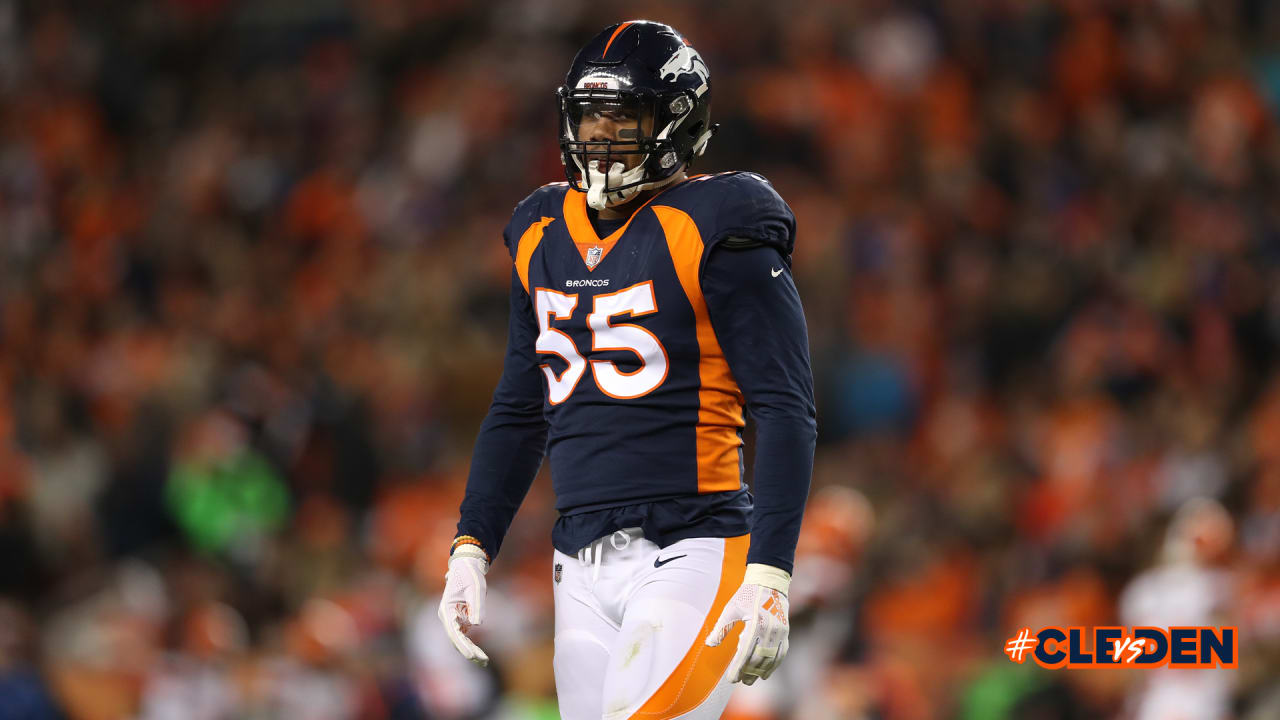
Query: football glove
{"points": [[761, 605], [462, 605]]}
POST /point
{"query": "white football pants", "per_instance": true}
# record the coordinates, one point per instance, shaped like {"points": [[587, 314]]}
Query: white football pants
{"points": [[631, 626]]}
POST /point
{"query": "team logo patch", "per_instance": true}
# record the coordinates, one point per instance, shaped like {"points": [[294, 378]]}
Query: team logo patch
{"points": [[559, 571], [593, 256]]}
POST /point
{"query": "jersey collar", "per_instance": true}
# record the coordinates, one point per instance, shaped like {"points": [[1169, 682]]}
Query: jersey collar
{"points": [[584, 235]]}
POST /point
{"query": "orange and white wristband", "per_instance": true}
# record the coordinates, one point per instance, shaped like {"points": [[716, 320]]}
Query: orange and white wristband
{"points": [[467, 545]]}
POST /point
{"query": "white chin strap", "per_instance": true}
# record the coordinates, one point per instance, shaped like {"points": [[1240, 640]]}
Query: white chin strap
{"points": [[598, 199]]}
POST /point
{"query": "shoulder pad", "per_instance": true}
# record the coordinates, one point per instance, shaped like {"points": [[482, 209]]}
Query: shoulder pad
{"points": [[751, 212], [546, 201]]}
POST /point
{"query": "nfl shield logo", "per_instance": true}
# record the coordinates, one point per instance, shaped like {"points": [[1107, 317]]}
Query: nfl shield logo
{"points": [[593, 256], [559, 567]]}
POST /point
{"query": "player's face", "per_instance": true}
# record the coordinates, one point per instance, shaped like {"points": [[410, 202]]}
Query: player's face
{"points": [[619, 123]]}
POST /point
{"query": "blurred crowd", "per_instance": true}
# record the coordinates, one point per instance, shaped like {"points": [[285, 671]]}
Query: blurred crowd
{"points": [[252, 307]]}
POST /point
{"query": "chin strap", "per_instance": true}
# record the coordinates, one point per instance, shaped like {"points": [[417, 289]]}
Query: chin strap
{"points": [[700, 146]]}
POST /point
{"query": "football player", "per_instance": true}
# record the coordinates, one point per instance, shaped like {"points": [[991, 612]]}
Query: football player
{"points": [[648, 307]]}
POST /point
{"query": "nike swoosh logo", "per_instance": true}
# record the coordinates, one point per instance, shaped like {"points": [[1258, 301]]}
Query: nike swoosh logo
{"points": [[659, 562], [775, 271]]}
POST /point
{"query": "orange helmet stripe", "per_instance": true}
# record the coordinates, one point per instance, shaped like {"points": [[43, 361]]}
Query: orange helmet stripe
{"points": [[621, 27]]}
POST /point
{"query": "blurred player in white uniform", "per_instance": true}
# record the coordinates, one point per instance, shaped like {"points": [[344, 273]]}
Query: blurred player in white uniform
{"points": [[1188, 588]]}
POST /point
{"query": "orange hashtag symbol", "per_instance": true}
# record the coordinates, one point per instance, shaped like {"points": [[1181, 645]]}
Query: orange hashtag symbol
{"points": [[1018, 645]]}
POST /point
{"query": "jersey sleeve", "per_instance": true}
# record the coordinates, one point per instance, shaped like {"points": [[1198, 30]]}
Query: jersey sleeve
{"points": [[751, 213], [759, 322], [512, 439], [539, 203]]}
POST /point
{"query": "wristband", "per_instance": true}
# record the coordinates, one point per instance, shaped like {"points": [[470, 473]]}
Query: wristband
{"points": [[768, 576], [465, 542]]}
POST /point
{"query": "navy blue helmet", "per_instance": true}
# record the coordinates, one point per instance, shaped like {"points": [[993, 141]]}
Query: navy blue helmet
{"points": [[636, 69]]}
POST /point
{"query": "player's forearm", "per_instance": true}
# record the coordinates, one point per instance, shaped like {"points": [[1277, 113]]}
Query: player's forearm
{"points": [[508, 452], [783, 466], [785, 438]]}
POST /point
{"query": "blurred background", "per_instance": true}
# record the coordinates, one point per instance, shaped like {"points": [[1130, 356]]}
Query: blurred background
{"points": [[253, 305]]}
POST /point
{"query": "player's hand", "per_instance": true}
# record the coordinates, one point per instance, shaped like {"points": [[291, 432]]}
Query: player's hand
{"points": [[761, 605], [462, 605]]}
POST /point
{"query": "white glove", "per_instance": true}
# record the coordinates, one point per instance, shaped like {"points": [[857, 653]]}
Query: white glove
{"points": [[761, 604], [462, 605]]}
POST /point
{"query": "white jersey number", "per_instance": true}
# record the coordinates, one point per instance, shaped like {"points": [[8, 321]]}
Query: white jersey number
{"points": [[554, 342], [636, 301]]}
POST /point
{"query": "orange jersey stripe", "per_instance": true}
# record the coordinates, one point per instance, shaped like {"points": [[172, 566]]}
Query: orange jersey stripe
{"points": [[615, 34], [524, 249], [580, 228], [719, 397], [702, 667]]}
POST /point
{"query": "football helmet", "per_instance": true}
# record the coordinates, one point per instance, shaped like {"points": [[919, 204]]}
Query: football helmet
{"points": [[639, 70]]}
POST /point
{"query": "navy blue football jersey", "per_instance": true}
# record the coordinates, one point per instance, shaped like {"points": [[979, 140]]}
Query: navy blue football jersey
{"points": [[629, 361], [640, 401]]}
